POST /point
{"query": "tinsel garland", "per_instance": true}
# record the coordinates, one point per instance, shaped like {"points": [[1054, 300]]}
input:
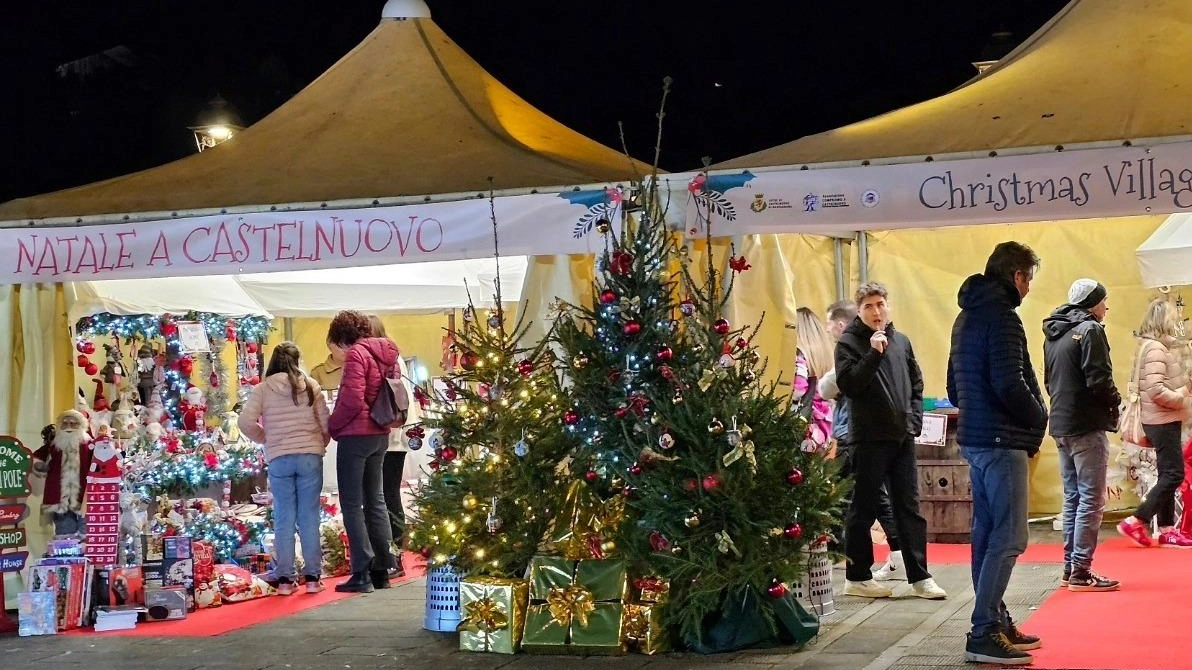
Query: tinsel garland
{"points": [[148, 326]]}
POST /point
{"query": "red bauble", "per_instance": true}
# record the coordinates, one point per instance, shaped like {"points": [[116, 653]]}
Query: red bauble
{"points": [[434, 465], [88, 347], [186, 366], [591, 476], [777, 590], [621, 262], [525, 366], [665, 354], [251, 347], [83, 361], [169, 329], [628, 491], [469, 360], [721, 326], [448, 454], [691, 484], [793, 531], [608, 296], [91, 369], [230, 331], [658, 541], [742, 343], [571, 417], [794, 477], [79, 346], [621, 411], [635, 469], [632, 328], [711, 483], [254, 380]]}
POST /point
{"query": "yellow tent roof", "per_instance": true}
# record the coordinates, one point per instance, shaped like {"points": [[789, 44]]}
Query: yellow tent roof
{"points": [[405, 113], [1100, 70]]}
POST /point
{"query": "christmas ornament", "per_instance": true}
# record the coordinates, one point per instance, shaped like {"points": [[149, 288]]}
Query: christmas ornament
{"points": [[603, 226], [749, 377], [687, 306], [726, 361], [692, 521], [697, 183], [608, 547], [521, 449], [739, 264], [608, 296], [614, 376], [721, 326], [691, 484], [83, 361], [666, 441], [655, 419], [591, 476], [469, 314], [777, 589], [635, 469], [580, 361], [676, 550], [470, 502], [716, 427], [525, 367], [447, 454], [621, 262], [632, 328], [628, 491], [414, 443], [91, 369], [664, 354], [251, 347], [469, 360], [794, 477], [711, 483], [186, 366], [793, 531], [677, 398], [621, 411], [494, 320], [742, 343], [658, 541], [493, 523]]}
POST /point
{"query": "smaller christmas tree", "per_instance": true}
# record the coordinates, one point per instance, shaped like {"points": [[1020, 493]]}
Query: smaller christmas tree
{"points": [[498, 443]]}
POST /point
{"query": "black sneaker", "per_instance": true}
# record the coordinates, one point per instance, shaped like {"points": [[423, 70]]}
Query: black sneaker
{"points": [[1021, 641], [1087, 580], [1067, 574], [994, 647]]}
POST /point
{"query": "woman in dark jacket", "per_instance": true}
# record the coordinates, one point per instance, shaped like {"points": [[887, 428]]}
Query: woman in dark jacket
{"points": [[361, 449]]}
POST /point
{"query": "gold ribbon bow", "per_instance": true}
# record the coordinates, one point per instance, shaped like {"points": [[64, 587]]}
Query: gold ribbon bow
{"points": [[744, 449], [631, 305], [484, 616], [725, 544], [637, 623], [573, 602], [710, 377]]}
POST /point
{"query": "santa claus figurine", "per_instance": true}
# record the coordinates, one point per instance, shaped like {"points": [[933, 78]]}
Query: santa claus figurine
{"points": [[64, 461], [194, 410], [105, 462]]}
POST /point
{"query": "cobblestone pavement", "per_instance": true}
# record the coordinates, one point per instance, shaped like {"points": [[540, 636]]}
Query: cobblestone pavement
{"points": [[383, 630]]}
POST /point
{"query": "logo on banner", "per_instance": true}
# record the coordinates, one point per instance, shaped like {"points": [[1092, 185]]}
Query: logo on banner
{"points": [[810, 202], [870, 198], [601, 205], [759, 203]]}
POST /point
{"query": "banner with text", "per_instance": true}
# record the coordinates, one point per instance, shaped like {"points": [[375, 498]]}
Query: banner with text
{"points": [[538, 224], [1092, 183]]}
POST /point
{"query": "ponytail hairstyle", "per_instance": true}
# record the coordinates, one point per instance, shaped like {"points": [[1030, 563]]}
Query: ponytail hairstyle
{"points": [[285, 359]]}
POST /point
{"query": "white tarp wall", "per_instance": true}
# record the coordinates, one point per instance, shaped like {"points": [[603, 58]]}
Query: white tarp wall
{"points": [[173, 295], [1165, 259]]}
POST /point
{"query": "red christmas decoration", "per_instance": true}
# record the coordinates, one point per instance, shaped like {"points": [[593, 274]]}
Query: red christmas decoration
{"points": [[525, 367], [91, 369], [571, 417], [739, 264], [635, 469], [628, 491], [742, 343], [608, 296], [793, 531], [469, 360], [664, 354], [230, 331], [721, 326], [210, 460], [88, 347], [777, 589], [591, 476], [169, 329], [632, 328], [434, 465], [254, 380], [448, 454], [658, 541], [794, 477], [621, 262], [711, 483], [251, 347], [213, 380], [186, 366], [621, 411], [697, 183], [691, 484], [83, 361], [416, 431]]}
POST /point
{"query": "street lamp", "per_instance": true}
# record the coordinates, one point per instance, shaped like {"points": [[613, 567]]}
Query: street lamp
{"points": [[217, 123]]}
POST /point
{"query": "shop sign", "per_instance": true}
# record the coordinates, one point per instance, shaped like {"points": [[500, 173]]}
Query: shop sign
{"points": [[15, 463]]}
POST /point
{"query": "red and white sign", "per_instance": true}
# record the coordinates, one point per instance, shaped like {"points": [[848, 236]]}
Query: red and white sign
{"points": [[10, 515], [103, 523]]}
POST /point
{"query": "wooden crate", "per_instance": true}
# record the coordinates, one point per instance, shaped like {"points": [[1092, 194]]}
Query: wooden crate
{"points": [[946, 500]]}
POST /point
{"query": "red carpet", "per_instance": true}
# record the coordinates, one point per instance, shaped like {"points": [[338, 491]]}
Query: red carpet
{"points": [[234, 616]]}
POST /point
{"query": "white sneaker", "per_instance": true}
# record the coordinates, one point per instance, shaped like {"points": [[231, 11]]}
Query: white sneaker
{"points": [[927, 588], [893, 569], [285, 588], [867, 589]]}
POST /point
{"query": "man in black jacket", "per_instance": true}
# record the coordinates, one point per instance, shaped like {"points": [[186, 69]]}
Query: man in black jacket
{"points": [[1002, 419], [1084, 404], [876, 370]]}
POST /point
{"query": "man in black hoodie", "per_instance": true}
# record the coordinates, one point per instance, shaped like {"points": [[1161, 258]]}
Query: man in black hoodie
{"points": [[1002, 419], [876, 370], [1084, 404]]}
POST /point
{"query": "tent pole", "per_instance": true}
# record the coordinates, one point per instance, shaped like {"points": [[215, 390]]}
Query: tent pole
{"points": [[863, 255], [838, 251], [287, 328]]}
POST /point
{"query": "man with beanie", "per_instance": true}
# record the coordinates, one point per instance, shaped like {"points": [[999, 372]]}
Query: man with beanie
{"points": [[1002, 421], [1084, 404]]}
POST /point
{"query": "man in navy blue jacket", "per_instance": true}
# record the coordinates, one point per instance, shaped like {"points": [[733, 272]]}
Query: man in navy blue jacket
{"points": [[1002, 420]]}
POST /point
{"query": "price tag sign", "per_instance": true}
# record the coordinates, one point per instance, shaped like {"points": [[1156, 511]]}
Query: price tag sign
{"points": [[935, 430]]}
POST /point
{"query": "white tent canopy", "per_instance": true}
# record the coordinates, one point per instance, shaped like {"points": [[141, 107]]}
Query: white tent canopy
{"points": [[411, 287], [1163, 258]]}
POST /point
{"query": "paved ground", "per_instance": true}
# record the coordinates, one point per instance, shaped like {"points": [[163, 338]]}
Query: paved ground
{"points": [[383, 630]]}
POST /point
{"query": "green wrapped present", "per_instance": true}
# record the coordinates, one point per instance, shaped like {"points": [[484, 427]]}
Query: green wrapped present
{"points": [[575, 607], [494, 614], [643, 629]]}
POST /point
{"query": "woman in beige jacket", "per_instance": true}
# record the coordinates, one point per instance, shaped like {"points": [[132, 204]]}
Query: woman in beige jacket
{"points": [[1166, 400], [288, 414]]}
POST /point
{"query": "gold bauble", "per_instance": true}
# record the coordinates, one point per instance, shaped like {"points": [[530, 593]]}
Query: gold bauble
{"points": [[608, 546], [692, 521], [470, 502], [676, 550], [579, 362]]}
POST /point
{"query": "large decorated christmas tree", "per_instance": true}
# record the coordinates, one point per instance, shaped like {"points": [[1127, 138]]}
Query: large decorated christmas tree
{"points": [[497, 440], [669, 413]]}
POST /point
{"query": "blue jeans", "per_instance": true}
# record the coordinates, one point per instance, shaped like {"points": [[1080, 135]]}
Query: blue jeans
{"points": [[296, 481], [1083, 462], [999, 479]]}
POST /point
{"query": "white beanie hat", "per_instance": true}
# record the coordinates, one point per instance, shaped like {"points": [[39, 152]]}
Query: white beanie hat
{"points": [[1086, 293]]}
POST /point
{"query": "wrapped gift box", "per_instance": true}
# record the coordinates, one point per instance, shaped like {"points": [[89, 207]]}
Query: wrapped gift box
{"points": [[494, 614], [644, 633], [575, 607]]}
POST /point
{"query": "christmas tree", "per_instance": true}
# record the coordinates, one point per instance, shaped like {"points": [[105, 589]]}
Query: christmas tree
{"points": [[498, 443], [720, 499]]}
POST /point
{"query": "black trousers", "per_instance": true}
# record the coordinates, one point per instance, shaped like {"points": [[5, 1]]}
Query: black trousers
{"points": [[892, 463], [1169, 457], [885, 510], [395, 462], [362, 501]]}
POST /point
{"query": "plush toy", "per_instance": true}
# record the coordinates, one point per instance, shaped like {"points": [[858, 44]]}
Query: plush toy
{"points": [[113, 370], [65, 461], [101, 411], [105, 462], [146, 372], [194, 410]]}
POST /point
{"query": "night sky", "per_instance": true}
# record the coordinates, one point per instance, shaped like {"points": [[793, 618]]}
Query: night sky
{"points": [[747, 75]]}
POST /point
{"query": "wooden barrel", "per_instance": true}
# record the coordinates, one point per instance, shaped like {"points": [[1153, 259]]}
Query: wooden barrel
{"points": [[945, 491]]}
